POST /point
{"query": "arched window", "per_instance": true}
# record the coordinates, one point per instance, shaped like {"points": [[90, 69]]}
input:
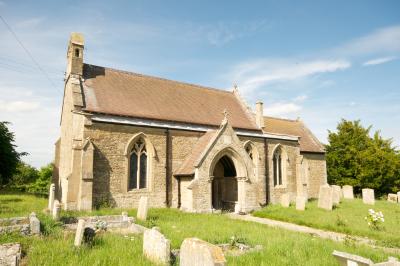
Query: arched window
{"points": [[278, 170], [253, 154], [138, 165]]}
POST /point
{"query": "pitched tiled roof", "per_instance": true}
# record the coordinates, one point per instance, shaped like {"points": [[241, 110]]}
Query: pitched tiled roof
{"points": [[122, 93], [308, 142], [187, 167]]}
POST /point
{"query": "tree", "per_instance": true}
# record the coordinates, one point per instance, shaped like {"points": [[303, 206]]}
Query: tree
{"points": [[42, 183], [354, 158], [23, 176], [9, 157]]}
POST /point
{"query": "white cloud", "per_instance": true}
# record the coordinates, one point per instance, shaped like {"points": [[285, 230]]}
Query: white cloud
{"points": [[18, 106], [256, 74], [378, 61], [300, 98], [382, 40], [282, 109]]}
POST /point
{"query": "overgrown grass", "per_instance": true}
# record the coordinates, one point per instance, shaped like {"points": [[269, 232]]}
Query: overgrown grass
{"points": [[13, 204], [348, 217], [280, 247]]}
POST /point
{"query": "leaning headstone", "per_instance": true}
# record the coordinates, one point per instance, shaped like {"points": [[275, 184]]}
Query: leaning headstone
{"points": [[325, 197], [156, 247], [348, 192], [368, 196], [79, 233], [56, 211], [143, 208], [51, 197], [196, 252], [34, 224], [10, 254], [300, 203], [392, 197], [347, 259], [336, 194], [285, 200]]}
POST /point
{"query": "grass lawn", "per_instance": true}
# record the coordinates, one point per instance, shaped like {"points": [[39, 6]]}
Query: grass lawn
{"points": [[347, 218], [280, 247]]}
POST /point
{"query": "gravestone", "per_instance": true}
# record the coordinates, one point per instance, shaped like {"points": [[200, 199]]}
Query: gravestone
{"points": [[196, 252], [125, 217], [398, 197], [336, 194], [347, 259], [325, 197], [285, 200], [348, 192], [51, 197], [368, 196], [34, 224], [79, 233], [392, 197], [300, 203], [10, 254], [56, 210], [156, 247], [143, 208]]}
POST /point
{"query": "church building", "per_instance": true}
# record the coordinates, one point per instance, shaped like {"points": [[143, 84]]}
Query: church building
{"points": [[125, 135]]}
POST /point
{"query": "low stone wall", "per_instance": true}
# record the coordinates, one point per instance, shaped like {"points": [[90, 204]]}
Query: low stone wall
{"points": [[15, 224], [112, 221]]}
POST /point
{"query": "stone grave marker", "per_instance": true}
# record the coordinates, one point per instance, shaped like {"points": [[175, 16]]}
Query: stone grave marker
{"points": [[196, 252], [347, 259], [51, 197], [348, 192], [300, 203], [325, 197], [285, 200], [368, 196], [34, 224], [143, 208], [56, 210], [398, 197], [392, 197], [337, 194], [156, 247], [79, 233], [10, 254]]}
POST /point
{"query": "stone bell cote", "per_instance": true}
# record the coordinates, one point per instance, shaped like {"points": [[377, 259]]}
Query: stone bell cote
{"points": [[75, 54]]}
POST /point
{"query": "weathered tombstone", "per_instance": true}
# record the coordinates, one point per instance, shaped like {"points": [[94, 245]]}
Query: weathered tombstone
{"points": [[156, 247], [285, 200], [125, 217], [348, 192], [398, 197], [196, 252], [346, 259], [300, 203], [325, 197], [392, 197], [143, 208], [368, 196], [336, 192], [51, 197], [10, 254], [56, 210], [79, 233], [34, 224]]}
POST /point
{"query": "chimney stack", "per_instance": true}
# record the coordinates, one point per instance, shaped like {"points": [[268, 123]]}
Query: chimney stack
{"points": [[259, 114], [75, 54]]}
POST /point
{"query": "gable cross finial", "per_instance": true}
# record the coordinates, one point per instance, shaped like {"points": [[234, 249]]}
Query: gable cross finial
{"points": [[226, 115]]}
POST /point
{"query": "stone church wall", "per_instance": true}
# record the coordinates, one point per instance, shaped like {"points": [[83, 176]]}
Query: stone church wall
{"points": [[317, 173]]}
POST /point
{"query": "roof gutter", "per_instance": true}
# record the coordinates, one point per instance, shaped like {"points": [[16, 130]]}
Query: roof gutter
{"points": [[182, 126]]}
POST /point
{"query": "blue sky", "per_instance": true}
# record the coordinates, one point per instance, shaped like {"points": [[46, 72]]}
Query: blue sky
{"points": [[317, 60]]}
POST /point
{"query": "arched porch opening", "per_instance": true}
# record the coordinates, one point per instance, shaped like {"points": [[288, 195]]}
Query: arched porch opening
{"points": [[224, 185]]}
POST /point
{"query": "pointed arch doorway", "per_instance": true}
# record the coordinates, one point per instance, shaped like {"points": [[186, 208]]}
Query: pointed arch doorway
{"points": [[224, 185]]}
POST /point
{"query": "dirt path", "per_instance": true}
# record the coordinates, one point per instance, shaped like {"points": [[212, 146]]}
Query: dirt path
{"points": [[339, 237]]}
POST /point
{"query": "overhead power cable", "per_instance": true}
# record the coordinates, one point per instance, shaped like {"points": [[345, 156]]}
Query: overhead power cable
{"points": [[27, 52]]}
